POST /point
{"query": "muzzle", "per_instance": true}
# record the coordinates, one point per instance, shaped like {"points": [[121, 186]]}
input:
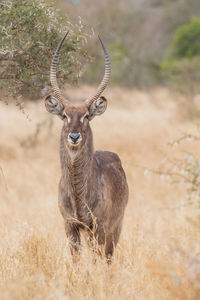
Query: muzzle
{"points": [[74, 138]]}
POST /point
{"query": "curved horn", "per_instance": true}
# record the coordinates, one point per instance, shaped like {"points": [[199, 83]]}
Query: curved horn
{"points": [[105, 79], [54, 62]]}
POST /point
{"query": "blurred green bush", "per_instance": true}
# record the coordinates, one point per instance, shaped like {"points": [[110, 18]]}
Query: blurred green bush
{"points": [[181, 65], [186, 41]]}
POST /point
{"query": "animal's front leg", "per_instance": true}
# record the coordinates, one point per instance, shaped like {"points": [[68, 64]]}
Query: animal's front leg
{"points": [[73, 234]]}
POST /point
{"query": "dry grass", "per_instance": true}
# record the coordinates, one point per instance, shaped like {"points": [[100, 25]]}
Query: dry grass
{"points": [[157, 257]]}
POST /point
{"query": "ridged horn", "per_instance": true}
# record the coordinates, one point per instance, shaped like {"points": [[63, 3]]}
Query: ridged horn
{"points": [[53, 79], [105, 79]]}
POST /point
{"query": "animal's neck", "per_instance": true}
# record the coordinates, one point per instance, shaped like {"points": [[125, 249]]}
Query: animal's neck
{"points": [[78, 167]]}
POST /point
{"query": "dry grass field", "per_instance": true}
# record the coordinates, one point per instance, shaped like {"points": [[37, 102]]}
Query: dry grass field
{"points": [[157, 257]]}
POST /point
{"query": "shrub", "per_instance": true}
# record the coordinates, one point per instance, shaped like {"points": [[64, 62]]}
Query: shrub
{"points": [[186, 41], [181, 65], [29, 32]]}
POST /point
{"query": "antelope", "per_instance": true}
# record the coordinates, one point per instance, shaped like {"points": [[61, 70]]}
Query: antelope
{"points": [[93, 190]]}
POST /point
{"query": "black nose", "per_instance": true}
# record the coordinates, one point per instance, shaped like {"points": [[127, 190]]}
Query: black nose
{"points": [[74, 137]]}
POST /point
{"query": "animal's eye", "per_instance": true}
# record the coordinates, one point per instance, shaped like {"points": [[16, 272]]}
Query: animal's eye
{"points": [[86, 116], [65, 116]]}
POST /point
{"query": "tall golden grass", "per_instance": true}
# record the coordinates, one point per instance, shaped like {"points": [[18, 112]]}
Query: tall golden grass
{"points": [[159, 249]]}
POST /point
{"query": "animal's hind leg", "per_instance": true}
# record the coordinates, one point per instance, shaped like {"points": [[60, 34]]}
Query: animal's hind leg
{"points": [[112, 240], [109, 248], [73, 233], [98, 240], [117, 232]]}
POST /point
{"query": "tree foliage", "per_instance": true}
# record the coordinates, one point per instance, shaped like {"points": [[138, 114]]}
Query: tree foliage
{"points": [[29, 33]]}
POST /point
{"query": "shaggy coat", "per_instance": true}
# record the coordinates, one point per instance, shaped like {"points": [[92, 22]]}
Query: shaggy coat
{"points": [[93, 193]]}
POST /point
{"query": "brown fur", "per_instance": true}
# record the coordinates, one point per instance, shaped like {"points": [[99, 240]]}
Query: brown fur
{"points": [[93, 190]]}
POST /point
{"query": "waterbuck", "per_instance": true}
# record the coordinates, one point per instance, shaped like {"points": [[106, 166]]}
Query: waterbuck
{"points": [[93, 190]]}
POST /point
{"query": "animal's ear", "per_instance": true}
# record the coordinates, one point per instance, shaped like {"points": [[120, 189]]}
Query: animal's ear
{"points": [[97, 107], [54, 106]]}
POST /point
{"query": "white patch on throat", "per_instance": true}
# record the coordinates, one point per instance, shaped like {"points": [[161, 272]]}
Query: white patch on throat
{"points": [[73, 154]]}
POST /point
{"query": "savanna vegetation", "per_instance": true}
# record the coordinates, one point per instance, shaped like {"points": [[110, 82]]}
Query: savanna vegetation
{"points": [[152, 122], [158, 253]]}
